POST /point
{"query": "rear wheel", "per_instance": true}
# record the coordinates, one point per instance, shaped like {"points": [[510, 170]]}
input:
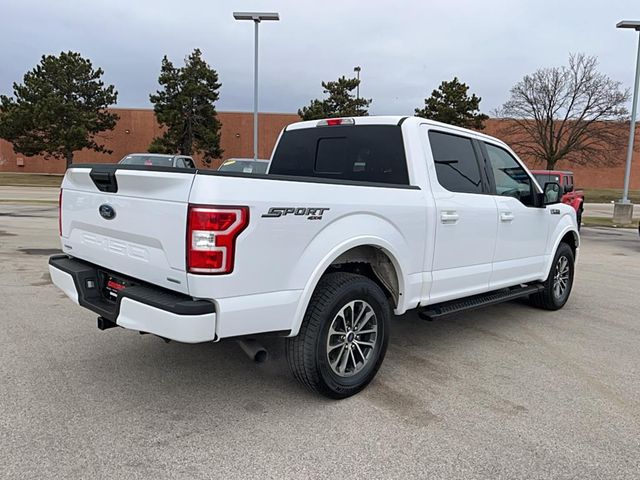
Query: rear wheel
{"points": [[557, 286], [343, 337]]}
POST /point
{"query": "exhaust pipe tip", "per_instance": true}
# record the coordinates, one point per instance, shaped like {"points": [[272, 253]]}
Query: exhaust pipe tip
{"points": [[254, 350], [261, 356]]}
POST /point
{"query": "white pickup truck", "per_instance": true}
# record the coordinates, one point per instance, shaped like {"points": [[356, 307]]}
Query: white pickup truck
{"points": [[356, 218]]}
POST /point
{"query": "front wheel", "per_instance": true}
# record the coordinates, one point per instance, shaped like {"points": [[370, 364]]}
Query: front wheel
{"points": [[343, 337], [579, 217], [557, 286]]}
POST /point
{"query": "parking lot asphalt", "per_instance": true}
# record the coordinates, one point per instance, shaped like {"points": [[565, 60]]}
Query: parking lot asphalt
{"points": [[9, 193], [504, 392]]}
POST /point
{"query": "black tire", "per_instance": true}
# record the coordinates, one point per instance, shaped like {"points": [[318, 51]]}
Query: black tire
{"points": [[549, 299], [307, 353], [579, 217]]}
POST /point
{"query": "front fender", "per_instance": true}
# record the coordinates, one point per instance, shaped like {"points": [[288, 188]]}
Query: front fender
{"points": [[330, 243], [575, 203], [567, 223]]}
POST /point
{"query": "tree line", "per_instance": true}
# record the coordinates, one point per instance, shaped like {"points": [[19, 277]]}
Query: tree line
{"points": [[573, 113]]}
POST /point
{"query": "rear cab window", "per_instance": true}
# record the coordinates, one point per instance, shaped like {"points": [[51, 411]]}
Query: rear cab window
{"points": [[364, 153]]}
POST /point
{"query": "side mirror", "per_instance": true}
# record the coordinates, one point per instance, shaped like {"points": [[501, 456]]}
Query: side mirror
{"points": [[552, 193]]}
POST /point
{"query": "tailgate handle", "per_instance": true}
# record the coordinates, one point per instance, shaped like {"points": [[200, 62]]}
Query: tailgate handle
{"points": [[104, 181]]}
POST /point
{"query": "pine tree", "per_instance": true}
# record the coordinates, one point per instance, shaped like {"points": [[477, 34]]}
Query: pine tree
{"points": [[58, 109], [185, 105], [341, 101], [451, 104]]}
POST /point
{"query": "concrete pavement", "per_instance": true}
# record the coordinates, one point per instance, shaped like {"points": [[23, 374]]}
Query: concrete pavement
{"points": [[503, 392], [605, 210]]}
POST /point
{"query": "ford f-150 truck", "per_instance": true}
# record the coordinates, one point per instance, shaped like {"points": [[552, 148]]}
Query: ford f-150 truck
{"points": [[356, 220]]}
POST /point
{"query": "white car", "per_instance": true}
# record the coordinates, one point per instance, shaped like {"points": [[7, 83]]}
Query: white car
{"points": [[358, 219]]}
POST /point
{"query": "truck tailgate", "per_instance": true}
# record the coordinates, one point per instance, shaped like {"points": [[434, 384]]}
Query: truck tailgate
{"points": [[130, 221]]}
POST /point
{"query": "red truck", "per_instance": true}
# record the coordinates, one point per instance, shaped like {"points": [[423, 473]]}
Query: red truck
{"points": [[571, 196]]}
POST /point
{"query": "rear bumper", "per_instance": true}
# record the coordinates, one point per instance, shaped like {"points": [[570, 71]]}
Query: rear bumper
{"points": [[145, 308]]}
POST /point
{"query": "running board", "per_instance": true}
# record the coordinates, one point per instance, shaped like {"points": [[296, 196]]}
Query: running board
{"points": [[439, 310]]}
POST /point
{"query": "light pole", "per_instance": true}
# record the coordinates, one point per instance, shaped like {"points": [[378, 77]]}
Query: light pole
{"points": [[357, 70], [623, 211], [256, 17]]}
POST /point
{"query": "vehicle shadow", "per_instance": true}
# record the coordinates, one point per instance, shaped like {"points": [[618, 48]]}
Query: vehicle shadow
{"points": [[144, 372]]}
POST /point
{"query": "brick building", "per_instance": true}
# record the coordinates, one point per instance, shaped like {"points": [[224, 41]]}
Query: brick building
{"points": [[137, 127]]}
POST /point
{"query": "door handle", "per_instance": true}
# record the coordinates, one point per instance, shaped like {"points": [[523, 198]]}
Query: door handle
{"points": [[506, 216], [449, 217]]}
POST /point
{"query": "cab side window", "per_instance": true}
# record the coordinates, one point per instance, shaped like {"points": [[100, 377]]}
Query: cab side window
{"points": [[568, 181], [456, 163], [511, 178], [183, 162]]}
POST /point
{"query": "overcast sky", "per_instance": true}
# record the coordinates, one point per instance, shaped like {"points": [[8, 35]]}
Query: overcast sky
{"points": [[405, 48]]}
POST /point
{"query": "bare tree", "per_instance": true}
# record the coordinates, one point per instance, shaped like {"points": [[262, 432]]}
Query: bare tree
{"points": [[572, 113]]}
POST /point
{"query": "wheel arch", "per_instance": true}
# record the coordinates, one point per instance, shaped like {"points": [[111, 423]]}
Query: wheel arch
{"points": [[572, 239], [373, 262], [565, 233], [359, 253]]}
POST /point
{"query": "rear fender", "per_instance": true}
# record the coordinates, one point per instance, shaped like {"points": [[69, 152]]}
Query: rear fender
{"points": [[326, 247]]}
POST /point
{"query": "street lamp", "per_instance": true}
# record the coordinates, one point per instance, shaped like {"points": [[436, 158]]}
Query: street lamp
{"points": [[357, 70], [256, 17], [625, 208]]}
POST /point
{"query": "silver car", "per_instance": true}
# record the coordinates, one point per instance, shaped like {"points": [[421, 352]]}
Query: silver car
{"points": [[158, 160], [244, 165]]}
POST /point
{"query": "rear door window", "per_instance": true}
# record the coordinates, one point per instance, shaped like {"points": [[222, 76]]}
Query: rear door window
{"points": [[456, 163], [367, 153]]}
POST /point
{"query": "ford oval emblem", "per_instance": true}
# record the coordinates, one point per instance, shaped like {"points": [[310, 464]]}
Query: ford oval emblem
{"points": [[107, 212]]}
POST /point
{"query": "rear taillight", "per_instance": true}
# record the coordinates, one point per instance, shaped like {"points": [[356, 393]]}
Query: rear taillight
{"points": [[211, 237], [60, 213]]}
